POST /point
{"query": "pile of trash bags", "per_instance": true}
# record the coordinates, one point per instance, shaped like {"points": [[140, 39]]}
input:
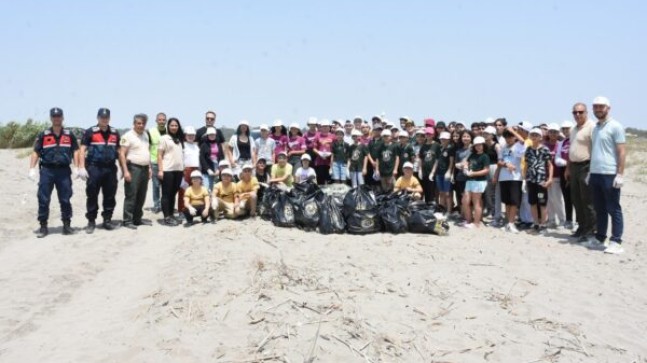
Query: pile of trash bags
{"points": [[358, 211]]}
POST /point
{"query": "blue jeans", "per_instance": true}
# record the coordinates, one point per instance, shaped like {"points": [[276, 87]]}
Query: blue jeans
{"points": [[157, 188], [62, 179], [207, 182], [606, 201], [339, 171], [356, 178]]}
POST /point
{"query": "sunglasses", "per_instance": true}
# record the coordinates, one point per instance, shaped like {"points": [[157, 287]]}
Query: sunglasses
{"points": [[579, 112], [211, 118]]}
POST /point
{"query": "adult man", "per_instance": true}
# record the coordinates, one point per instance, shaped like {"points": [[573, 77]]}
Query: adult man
{"points": [[210, 121], [577, 172], [135, 159], [55, 149], [606, 178], [155, 133], [98, 168]]}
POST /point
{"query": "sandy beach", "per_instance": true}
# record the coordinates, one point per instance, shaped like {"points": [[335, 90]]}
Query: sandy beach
{"points": [[245, 291]]}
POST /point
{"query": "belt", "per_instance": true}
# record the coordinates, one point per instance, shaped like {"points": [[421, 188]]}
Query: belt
{"points": [[137, 166], [581, 162], [54, 166]]}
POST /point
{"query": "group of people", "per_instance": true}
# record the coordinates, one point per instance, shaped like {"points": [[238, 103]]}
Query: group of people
{"points": [[513, 176]]}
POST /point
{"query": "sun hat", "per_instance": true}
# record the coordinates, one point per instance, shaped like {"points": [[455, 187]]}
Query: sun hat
{"points": [[407, 165], [223, 163], [306, 157], [355, 133], [567, 124], [536, 131], [227, 171], [211, 131], [525, 125], [295, 126], [312, 121], [248, 167], [445, 135], [601, 100], [264, 127], [386, 132], [478, 140], [490, 130], [553, 127], [196, 174], [189, 130], [324, 122]]}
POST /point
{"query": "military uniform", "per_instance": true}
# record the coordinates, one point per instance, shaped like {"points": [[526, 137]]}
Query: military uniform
{"points": [[102, 153], [55, 153]]}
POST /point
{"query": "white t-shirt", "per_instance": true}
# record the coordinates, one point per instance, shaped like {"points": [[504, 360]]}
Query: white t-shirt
{"points": [[513, 155], [303, 174], [191, 155], [173, 159]]}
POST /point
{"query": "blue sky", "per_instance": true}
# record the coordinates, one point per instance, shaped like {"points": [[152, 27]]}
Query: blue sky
{"points": [[262, 60]]}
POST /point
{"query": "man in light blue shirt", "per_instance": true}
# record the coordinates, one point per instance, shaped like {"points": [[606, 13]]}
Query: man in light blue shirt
{"points": [[606, 178]]}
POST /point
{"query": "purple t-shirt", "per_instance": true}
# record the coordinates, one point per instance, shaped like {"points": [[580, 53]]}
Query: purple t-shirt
{"points": [[310, 138], [281, 143], [296, 143], [324, 143]]}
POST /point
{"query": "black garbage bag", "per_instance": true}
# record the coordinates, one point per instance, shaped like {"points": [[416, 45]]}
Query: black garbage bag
{"points": [[304, 189], [359, 199], [331, 219], [270, 195], [394, 212], [423, 220], [364, 221], [307, 209], [283, 211]]}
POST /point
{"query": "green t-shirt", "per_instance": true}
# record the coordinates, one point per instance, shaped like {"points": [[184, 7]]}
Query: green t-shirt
{"points": [[387, 156], [340, 151], [405, 153], [443, 155], [374, 147], [155, 134], [428, 154], [478, 162], [357, 154]]}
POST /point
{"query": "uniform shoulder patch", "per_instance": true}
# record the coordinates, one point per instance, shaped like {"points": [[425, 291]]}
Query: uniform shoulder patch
{"points": [[95, 129], [47, 132]]}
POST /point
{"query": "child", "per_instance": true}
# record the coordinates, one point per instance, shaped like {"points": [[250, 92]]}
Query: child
{"points": [[247, 189], [405, 151], [311, 136], [280, 136], [339, 158], [296, 146], [463, 151], [538, 178], [373, 152], [266, 146], [508, 175], [387, 162], [225, 196], [262, 175], [281, 174], [443, 171], [427, 158], [408, 183], [305, 173], [197, 201], [322, 148], [476, 170], [357, 161]]}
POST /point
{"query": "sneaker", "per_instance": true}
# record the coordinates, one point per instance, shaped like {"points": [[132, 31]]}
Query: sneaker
{"points": [[107, 224], [578, 234], [156, 210], [89, 229], [43, 231], [143, 222], [468, 225], [497, 224], [129, 226], [170, 221], [568, 225], [592, 243], [614, 248], [510, 227], [542, 230]]}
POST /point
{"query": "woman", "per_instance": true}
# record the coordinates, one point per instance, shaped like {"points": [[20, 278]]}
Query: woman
{"points": [[463, 152], [305, 173], [191, 162], [197, 201], [171, 167], [242, 148], [210, 155], [280, 136], [492, 149], [476, 170], [296, 146], [426, 159], [561, 162], [323, 150], [555, 208]]}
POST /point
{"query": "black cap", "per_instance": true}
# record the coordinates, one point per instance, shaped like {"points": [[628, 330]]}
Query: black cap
{"points": [[103, 113], [441, 124], [55, 112]]}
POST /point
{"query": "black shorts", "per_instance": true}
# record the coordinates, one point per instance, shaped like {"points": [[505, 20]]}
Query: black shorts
{"points": [[537, 194], [511, 192]]}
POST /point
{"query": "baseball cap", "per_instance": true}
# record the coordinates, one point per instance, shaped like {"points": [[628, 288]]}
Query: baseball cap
{"points": [[324, 122], [295, 126], [386, 132], [567, 124], [306, 157], [210, 131], [601, 100], [430, 122], [264, 127], [336, 121], [489, 120], [248, 166], [227, 171], [536, 131], [244, 122], [404, 134], [490, 130], [429, 131], [378, 127], [525, 125], [553, 127], [478, 140], [103, 113], [355, 133], [312, 120], [441, 124], [55, 112], [407, 165], [278, 123], [196, 174], [339, 131], [283, 153], [189, 130], [376, 118], [445, 135], [224, 163], [395, 129]]}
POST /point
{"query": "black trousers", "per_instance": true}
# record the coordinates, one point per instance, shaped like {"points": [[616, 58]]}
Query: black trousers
{"points": [[459, 189], [199, 210], [429, 189], [323, 174], [101, 179], [170, 187], [568, 202]]}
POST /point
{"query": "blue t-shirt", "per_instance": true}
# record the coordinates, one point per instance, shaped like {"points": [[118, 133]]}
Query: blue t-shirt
{"points": [[606, 137]]}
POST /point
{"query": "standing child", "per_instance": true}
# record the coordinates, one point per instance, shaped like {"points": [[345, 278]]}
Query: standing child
{"points": [[508, 176], [311, 137], [296, 146], [339, 159], [427, 157], [266, 146], [387, 162], [476, 170], [323, 148], [357, 161], [405, 151], [280, 136], [373, 153], [539, 177], [443, 171]]}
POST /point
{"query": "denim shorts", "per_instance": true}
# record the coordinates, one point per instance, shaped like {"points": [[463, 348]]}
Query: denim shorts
{"points": [[339, 171], [475, 186], [443, 185]]}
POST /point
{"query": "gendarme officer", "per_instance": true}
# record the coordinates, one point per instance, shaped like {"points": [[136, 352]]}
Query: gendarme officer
{"points": [[97, 166], [54, 150]]}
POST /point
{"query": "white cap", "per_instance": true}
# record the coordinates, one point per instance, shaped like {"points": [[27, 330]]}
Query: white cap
{"points": [[264, 127], [355, 132], [601, 100], [525, 125], [224, 163], [490, 130], [536, 131], [248, 166], [211, 131], [567, 124], [278, 123], [445, 135], [312, 120], [306, 157], [189, 130], [478, 140], [282, 153], [420, 131], [395, 129], [227, 171], [377, 117], [196, 174], [386, 132], [324, 122], [295, 125], [407, 165], [489, 120], [553, 127], [244, 122]]}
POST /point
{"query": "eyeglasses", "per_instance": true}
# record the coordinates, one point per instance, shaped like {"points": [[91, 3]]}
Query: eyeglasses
{"points": [[211, 119], [579, 112]]}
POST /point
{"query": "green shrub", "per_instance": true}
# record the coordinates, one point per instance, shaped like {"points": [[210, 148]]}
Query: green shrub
{"points": [[15, 135]]}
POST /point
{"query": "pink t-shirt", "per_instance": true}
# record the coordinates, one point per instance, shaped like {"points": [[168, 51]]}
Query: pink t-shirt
{"points": [[310, 138], [364, 140], [297, 143], [553, 150], [281, 143], [324, 143]]}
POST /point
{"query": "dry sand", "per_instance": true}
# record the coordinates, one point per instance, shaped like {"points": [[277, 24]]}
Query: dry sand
{"points": [[246, 291]]}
